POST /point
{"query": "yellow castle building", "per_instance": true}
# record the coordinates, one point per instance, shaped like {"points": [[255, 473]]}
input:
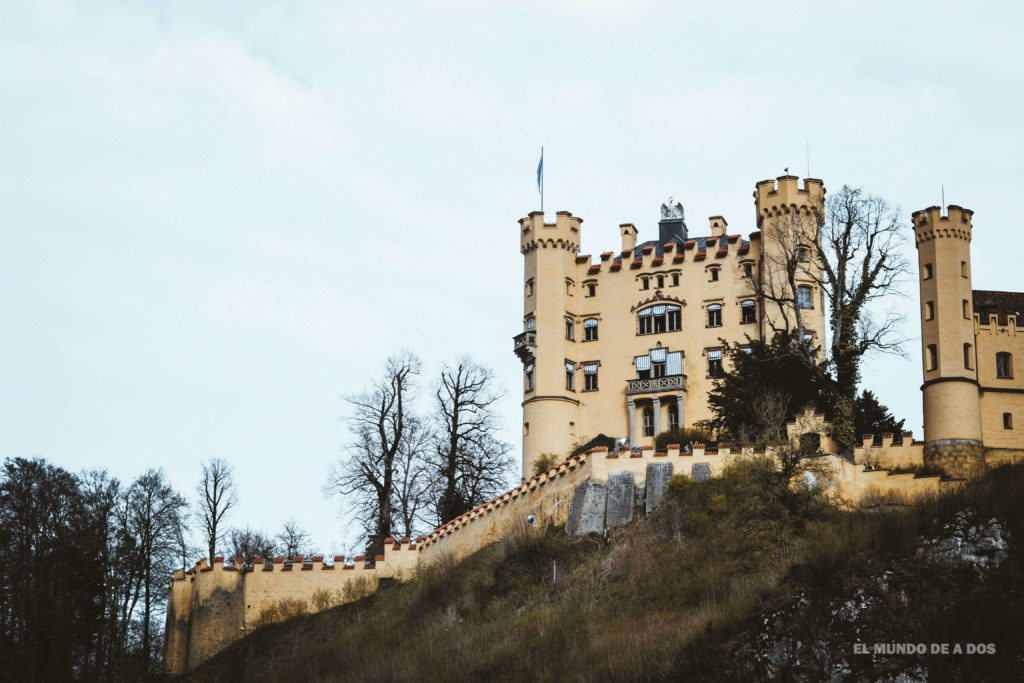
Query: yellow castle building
{"points": [[628, 344]]}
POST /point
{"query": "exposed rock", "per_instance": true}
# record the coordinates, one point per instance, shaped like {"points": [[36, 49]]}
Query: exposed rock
{"points": [[981, 545]]}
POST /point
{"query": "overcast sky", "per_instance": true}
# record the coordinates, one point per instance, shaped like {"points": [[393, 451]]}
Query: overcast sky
{"points": [[216, 222]]}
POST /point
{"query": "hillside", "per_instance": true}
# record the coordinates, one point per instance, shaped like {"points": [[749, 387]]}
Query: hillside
{"points": [[739, 578]]}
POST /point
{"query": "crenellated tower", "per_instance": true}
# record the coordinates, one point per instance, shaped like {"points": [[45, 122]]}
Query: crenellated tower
{"points": [[550, 405], [789, 217], [952, 410]]}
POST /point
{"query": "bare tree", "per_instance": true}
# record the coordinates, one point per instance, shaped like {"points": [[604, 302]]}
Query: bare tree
{"points": [[293, 539], [249, 544], [151, 516], [381, 424], [217, 496], [470, 464], [860, 252], [851, 249], [413, 482]]}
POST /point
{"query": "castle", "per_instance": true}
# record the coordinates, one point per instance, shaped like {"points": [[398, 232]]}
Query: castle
{"points": [[660, 308], [629, 344]]}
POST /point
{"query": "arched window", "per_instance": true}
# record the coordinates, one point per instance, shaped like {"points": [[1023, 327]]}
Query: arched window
{"points": [[590, 329], [659, 318], [715, 315], [648, 420], [748, 312], [673, 417], [803, 297], [1004, 365]]}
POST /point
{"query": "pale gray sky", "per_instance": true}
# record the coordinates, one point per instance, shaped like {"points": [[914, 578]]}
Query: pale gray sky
{"points": [[217, 219]]}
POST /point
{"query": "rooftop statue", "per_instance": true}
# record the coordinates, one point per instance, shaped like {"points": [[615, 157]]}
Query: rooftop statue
{"points": [[671, 209]]}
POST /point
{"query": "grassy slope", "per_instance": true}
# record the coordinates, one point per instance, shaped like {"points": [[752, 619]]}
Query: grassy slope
{"points": [[685, 593]]}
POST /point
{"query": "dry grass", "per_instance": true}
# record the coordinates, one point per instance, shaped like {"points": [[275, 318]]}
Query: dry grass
{"points": [[697, 570]]}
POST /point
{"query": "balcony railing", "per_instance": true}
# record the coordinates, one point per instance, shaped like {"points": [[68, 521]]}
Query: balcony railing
{"points": [[525, 345], [656, 384]]}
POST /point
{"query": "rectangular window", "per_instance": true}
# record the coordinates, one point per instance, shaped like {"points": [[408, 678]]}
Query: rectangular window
{"points": [[968, 352], [645, 283], [714, 315], [661, 281], [1007, 420], [803, 297], [590, 329], [963, 269], [748, 270], [748, 312], [529, 377], [933, 357], [674, 363], [569, 331], [714, 362], [713, 274], [1004, 365], [591, 289], [675, 279], [659, 318], [570, 376], [967, 309], [590, 377], [643, 367]]}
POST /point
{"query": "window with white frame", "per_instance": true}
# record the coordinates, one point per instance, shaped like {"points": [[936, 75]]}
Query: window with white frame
{"points": [[529, 376], [530, 322], [659, 363], [570, 376], [648, 421], [590, 377], [590, 329], [715, 315], [659, 318], [714, 362], [803, 297], [748, 312]]}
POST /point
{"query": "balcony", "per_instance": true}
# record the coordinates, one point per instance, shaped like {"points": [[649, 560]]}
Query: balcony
{"points": [[525, 345], [656, 385]]}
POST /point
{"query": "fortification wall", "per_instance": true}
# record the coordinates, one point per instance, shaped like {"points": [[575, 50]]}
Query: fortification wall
{"points": [[890, 452], [210, 606]]}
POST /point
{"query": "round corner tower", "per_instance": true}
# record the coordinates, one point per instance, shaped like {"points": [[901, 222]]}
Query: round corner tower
{"points": [[952, 403], [550, 412]]}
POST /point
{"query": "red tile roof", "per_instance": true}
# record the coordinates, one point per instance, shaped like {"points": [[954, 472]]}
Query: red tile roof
{"points": [[1002, 304]]}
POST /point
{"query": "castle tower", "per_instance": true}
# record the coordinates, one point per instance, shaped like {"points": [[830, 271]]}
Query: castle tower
{"points": [[788, 217], [550, 411], [952, 411]]}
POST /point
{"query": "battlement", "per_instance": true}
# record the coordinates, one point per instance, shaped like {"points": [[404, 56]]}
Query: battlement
{"points": [[564, 233], [785, 196], [930, 224]]}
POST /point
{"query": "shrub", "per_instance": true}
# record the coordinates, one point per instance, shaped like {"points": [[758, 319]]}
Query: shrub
{"points": [[544, 462], [683, 436], [599, 440]]}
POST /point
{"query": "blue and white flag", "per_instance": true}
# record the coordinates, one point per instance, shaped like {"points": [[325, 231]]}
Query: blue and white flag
{"points": [[540, 172]]}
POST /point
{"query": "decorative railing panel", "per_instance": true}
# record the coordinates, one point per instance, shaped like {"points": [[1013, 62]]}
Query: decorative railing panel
{"points": [[656, 384]]}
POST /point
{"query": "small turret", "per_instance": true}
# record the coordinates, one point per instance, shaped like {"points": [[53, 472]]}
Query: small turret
{"points": [[629, 233]]}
